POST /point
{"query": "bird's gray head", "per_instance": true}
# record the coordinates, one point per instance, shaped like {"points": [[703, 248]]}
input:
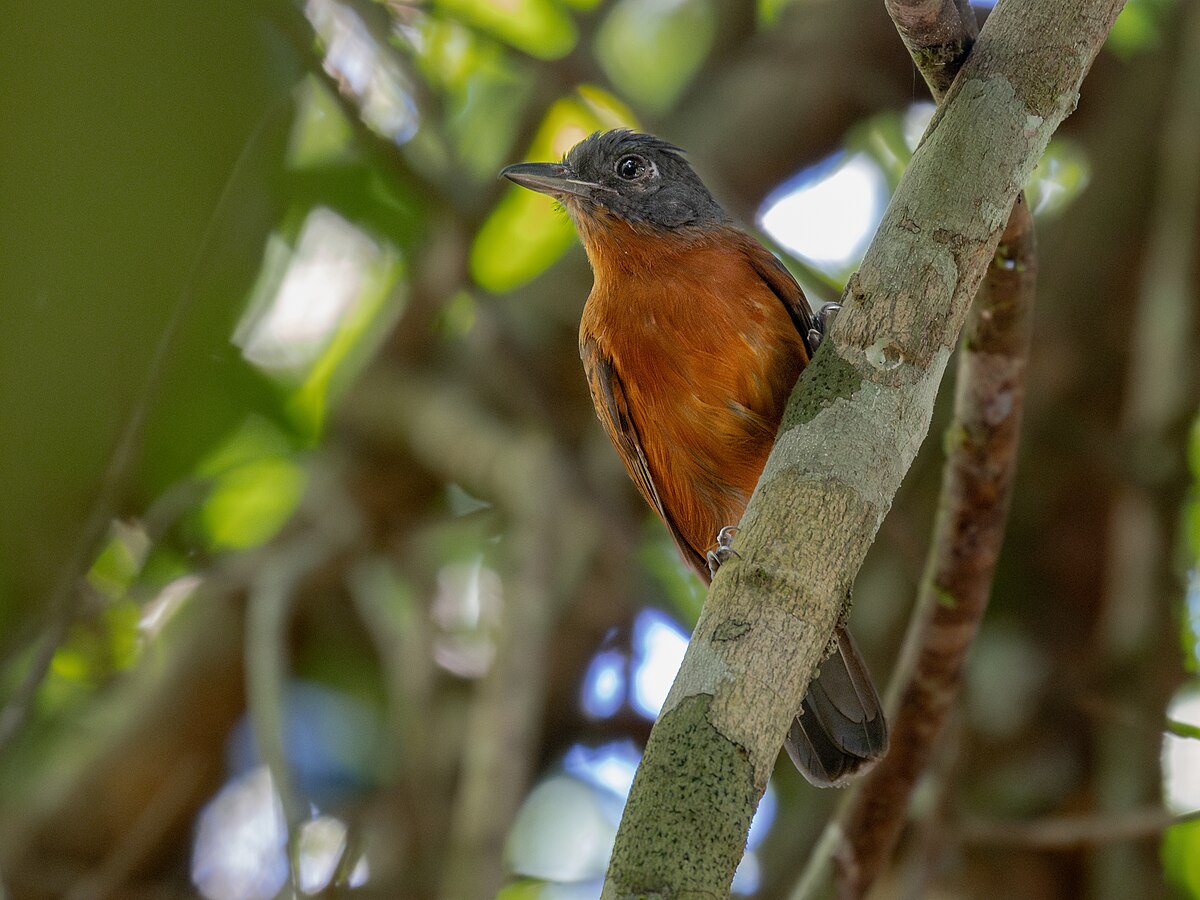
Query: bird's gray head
{"points": [[635, 177]]}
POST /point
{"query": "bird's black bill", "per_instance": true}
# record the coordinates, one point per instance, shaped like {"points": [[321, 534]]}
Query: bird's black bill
{"points": [[547, 178]]}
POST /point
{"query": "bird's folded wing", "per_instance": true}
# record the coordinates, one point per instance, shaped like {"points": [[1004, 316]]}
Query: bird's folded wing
{"points": [[612, 406], [781, 282]]}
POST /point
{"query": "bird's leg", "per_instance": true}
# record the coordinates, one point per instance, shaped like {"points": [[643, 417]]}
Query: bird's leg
{"points": [[723, 550], [822, 321]]}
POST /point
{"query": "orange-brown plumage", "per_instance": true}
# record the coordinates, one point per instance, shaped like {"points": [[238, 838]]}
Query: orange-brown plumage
{"points": [[708, 378], [692, 339]]}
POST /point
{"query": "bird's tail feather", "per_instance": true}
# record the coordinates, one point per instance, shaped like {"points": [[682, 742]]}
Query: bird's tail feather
{"points": [[841, 731]]}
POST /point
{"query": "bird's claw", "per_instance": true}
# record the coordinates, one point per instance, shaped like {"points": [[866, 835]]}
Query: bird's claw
{"points": [[723, 550], [822, 322]]}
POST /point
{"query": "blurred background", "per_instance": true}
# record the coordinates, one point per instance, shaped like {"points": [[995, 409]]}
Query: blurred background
{"points": [[318, 576]]}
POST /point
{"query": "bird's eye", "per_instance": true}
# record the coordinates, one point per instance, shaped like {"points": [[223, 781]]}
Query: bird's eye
{"points": [[631, 168]]}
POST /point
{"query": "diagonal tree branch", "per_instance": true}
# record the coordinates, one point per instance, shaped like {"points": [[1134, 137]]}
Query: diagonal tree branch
{"points": [[852, 429], [939, 35], [972, 508]]}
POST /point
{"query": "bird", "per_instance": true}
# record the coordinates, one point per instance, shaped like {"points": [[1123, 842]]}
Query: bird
{"points": [[692, 339]]}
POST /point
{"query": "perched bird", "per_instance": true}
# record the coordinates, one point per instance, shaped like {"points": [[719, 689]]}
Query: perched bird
{"points": [[692, 339]]}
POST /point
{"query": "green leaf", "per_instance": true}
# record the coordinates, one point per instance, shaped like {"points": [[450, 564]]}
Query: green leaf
{"points": [[94, 650], [770, 10], [353, 345], [539, 27], [256, 487], [525, 889], [250, 504], [120, 561], [1138, 27], [1183, 729], [485, 90], [319, 311], [519, 240], [651, 49]]}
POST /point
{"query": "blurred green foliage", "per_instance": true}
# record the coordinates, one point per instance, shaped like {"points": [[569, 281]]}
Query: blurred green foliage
{"points": [[178, 202], [651, 50], [1189, 627], [256, 484], [1138, 27], [1181, 857], [168, 170], [541, 28]]}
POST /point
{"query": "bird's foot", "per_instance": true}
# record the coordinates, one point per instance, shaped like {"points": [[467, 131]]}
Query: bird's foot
{"points": [[723, 550], [822, 322]]}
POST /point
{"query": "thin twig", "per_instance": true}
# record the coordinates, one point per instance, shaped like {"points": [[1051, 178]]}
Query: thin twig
{"points": [[330, 526], [1072, 832], [938, 34]]}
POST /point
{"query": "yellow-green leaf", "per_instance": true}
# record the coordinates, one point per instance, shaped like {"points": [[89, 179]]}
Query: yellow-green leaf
{"points": [[539, 27]]}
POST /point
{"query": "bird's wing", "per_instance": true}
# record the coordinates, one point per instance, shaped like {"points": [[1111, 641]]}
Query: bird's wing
{"points": [[612, 406], [784, 286]]}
